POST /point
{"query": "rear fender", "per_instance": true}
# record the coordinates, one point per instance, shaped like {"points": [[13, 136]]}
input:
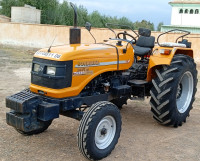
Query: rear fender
{"points": [[157, 60]]}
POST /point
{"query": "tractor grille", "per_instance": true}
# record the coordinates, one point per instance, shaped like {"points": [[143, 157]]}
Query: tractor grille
{"points": [[62, 78]]}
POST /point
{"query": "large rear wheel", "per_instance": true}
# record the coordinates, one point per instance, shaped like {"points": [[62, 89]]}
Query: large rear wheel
{"points": [[173, 91]]}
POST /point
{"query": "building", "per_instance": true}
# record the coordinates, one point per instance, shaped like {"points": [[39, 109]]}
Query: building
{"points": [[26, 14], [185, 15]]}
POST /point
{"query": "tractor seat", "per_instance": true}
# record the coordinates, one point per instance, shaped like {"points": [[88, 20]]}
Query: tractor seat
{"points": [[145, 42], [141, 51]]}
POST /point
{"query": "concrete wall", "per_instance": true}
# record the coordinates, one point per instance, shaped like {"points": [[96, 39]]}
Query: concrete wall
{"points": [[25, 15], [4, 18], [40, 36]]}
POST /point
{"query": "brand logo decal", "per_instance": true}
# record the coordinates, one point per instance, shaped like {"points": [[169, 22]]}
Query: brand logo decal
{"points": [[83, 71], [97, 63], [87, 63]]}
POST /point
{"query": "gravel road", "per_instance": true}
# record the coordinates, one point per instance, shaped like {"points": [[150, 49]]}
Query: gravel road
{"points": [[141, 137]]}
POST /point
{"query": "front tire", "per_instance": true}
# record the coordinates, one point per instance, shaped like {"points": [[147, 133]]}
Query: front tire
{"points": [[173, 91], [99, 130]]}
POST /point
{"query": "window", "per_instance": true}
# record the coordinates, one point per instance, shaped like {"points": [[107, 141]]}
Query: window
{"points": [[186, 11], [196, 11], [191, 11], [181, 11]]}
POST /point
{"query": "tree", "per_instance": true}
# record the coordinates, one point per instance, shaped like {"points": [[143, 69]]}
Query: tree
{"points": [[82, 15], [144, 24], [125, 21], [57, 13], [96, 19], [159, 26], [48, 8], [6, 6]]}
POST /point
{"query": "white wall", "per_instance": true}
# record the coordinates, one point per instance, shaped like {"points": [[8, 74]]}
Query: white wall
{"points": [[185, 19], [25, 15]]}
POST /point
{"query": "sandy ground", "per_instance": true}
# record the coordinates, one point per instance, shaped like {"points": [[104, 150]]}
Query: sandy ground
{"points": [[141, 137]]}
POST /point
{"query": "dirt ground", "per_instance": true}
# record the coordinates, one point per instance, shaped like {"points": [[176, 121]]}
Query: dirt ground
{"points": [[141, 137]]}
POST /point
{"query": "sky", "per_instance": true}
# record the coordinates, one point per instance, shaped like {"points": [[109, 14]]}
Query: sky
{"points": [[136, 10]]}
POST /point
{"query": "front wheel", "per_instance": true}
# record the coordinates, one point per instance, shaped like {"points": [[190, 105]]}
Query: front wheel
{"points": [[173, 91], [99, 130]]}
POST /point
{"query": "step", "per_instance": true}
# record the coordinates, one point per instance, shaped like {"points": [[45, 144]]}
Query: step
{"points": [[136, 82], [137, 98]]}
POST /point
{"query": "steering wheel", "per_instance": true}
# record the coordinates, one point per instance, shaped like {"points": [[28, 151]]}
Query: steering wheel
{"points": [[124, 36]]}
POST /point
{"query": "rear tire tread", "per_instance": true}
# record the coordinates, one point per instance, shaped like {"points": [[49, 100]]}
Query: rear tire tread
{"points": [[163, 87]]}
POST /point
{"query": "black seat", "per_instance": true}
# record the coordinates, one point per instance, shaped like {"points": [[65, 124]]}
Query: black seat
{"points": [[145, 42]]}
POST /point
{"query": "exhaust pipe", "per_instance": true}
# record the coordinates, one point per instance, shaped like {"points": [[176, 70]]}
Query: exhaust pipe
{"points": [[75, 32]]}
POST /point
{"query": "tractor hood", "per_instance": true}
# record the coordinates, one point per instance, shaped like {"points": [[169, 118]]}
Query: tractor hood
{"points": [[76, 52]]}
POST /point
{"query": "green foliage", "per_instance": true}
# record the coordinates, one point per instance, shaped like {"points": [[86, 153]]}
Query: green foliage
{"points": [[159, 26], [6, 6], [48, 7], [82, 16], [57, 13], [144, 24], [96, 19]]}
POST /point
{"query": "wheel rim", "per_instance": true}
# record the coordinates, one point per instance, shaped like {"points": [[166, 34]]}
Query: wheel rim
{"points": [[105, 132], [184, 92]]}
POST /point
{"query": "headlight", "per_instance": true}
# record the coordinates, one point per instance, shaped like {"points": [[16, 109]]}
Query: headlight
{"points": [[51, 70], [36, 67]]}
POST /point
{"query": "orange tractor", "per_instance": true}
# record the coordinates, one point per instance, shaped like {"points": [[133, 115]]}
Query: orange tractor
{"points": [[91, 82]]}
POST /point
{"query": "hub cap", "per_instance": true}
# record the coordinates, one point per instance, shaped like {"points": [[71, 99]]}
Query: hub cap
{"points": [[105, 132], [184, 92]]}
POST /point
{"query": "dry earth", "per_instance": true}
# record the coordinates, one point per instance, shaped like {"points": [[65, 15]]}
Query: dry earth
{"points": [[141, 137]]}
